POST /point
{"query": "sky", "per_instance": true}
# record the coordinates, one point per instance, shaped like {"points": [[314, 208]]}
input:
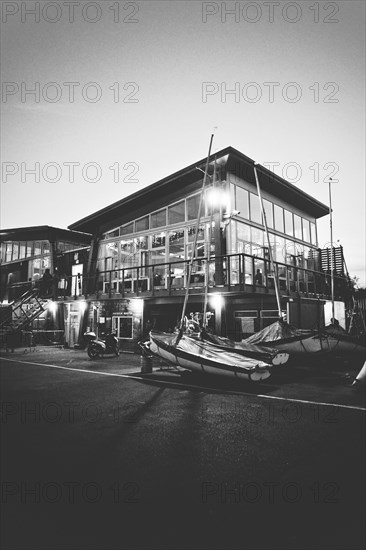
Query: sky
{"points": [[100, 99]]}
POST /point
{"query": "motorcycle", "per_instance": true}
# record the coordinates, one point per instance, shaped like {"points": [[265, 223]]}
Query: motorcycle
{"points": [[100, 347]]}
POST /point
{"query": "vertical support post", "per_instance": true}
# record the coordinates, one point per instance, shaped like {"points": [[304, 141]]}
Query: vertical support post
{"points": [[331, 249]]}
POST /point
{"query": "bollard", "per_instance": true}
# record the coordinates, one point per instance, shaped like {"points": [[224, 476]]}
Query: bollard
{"points": [[146, 363]]}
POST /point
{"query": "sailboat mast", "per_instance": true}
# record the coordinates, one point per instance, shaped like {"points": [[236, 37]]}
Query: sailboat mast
{"points": [[331, 250], [269, 244], [204, 320], [190, 267]]}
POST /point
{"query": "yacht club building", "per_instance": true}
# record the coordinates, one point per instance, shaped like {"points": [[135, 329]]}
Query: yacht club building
{"points": [[142, 244], [136, 271]]}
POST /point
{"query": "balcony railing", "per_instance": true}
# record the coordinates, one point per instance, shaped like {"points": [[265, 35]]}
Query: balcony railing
{"points": [[231, 272]]}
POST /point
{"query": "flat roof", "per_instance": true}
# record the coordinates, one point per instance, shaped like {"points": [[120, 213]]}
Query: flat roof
{"points": [[151, 197]]}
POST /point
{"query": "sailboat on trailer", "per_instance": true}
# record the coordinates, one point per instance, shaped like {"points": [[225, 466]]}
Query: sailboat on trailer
{"points": [[202, 356]]}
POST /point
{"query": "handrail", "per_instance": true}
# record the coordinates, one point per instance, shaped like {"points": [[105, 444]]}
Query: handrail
{"points": [[147, 271]]}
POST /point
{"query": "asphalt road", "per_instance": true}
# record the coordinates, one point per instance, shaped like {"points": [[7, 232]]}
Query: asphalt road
{"points": [[94, 456]]}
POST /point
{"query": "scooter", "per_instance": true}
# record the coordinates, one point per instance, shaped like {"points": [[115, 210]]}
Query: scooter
{"points": [[100, 347]]}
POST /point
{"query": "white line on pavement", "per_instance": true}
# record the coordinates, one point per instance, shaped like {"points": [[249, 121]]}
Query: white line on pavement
{"points": [[180, 385]]}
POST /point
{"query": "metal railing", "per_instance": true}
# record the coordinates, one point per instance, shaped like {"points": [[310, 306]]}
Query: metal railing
{"points": [[238, 272]]}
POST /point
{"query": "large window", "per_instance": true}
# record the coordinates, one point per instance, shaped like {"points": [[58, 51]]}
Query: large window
{"points": [[37, 248], [29, 248], [242, 202], [15, 251], [278, 218], [158, 240], [306, 230], [255, 211], [298, 227], [289, 223], [176, 213], [9, 247], [124, 230], [142, 224], [268, 208], [158, 219], [243, 232], [192, 207], [313, 233]]}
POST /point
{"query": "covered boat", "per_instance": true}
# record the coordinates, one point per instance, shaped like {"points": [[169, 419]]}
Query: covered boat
{"points": [[294, 341], [202, 357], [285, 337], [267, 354], [342, 343]]}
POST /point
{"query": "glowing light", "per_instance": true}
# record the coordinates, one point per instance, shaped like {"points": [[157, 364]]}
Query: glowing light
{"points": [[216, 301], [218, 197], [137, 305], [82, 306], [52, 307]]}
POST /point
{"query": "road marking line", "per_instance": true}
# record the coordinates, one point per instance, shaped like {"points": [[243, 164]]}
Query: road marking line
{"points": [[180, 385]]}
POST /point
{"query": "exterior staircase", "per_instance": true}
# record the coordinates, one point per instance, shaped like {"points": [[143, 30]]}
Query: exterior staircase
{"points": [[23, 311]]}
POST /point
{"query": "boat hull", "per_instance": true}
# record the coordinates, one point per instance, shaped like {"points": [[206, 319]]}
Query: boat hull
{"points": [[203, 358]]}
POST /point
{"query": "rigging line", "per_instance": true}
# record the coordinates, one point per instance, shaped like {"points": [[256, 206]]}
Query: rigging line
{"points": [[204, 320], [275, 278], [190, 267]]}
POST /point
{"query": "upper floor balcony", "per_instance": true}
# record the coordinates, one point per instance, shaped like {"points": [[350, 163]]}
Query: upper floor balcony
{"points": [[231, 273]]}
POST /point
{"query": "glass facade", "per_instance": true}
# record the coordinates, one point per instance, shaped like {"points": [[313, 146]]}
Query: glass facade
{"points": [[168, 234], [278, 218]]}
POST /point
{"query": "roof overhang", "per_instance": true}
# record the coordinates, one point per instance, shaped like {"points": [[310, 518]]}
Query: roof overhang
{"points": [[44, 232], [188, 180]]}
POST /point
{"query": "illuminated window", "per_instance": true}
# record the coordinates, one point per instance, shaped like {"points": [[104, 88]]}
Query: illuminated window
{"points": [[29, 248], [37, 248], [8, 252], [15, 251]]}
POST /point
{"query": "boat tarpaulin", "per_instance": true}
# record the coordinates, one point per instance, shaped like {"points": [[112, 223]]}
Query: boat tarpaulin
{"points": [[277, 333], [206, 358], [248, 349]]}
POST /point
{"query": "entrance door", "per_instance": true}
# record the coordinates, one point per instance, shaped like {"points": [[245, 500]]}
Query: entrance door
{"points": [[74, 328], [123, 326]]}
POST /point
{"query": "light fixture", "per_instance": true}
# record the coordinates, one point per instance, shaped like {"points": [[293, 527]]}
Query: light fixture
{"points": [[52, 307], [216, 301]]}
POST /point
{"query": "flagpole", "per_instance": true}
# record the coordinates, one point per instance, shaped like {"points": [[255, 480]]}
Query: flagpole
{"points": [[269, 244], [331, 249]]}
